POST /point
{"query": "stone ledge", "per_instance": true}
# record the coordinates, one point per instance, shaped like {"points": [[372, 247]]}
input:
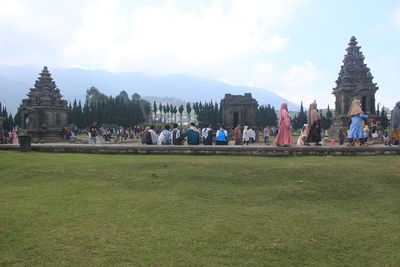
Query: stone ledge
{"points": [[258, 150]]}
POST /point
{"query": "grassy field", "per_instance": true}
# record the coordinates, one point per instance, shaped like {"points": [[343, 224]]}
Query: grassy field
{"points": [[119, 210]]}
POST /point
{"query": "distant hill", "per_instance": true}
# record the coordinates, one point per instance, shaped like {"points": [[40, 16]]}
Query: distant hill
{"points": [[15, 82], [11, 93]]}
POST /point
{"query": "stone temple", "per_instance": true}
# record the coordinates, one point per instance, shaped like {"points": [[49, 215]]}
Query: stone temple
{"points": [[239, 109], [44, 113], [354, 82]]}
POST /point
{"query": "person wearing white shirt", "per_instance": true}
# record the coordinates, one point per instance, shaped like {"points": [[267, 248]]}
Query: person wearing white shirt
{"points": [[246, 136]]}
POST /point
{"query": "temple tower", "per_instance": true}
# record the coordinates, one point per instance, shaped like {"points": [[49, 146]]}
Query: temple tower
{"points": [[354, 82], [239, 109], [44, 113]]}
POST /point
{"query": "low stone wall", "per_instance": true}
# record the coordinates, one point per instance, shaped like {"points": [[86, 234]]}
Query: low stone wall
{"points": [[266, 151]]}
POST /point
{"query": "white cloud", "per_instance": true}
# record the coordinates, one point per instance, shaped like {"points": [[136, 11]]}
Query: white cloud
{"points": [[228, 40], [302, 75], [305, 82], [35, 32], [212, 38], [165, 38], [276, 43], [297, 82], [264, 75], [396, 15]]}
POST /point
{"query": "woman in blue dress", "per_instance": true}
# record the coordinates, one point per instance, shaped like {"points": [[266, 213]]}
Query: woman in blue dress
{"points": [[356, 124]]}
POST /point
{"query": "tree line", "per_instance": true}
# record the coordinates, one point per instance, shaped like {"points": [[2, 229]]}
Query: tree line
{"points": [[302, 118], [266, 115], [207, 112], [10, 121], [123, 111], [107, 110], [126, 111]]}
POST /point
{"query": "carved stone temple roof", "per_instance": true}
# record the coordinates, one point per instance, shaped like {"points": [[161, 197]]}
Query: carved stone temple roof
{"points": [[45, 91], [354, 73], [245, 99]]}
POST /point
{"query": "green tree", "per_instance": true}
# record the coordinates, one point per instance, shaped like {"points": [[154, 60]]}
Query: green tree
{"points": [[188, 110], [383, 119], [164, 109], [180, 110], [136, 96], [155, 110], [161, 111], [167, 111], [18, 118], [300, 119], [123, 95], [266, 115], [326, 121], [175, 110], [208, 113], [120, 110], [93, 95], [329, 114]]}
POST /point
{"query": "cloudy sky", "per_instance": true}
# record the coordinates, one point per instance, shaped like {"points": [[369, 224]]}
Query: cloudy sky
{"points": [[291, 47]]}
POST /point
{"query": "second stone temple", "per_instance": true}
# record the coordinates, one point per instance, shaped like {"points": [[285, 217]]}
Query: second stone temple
{"points": [[354, 82], [44, 113]]}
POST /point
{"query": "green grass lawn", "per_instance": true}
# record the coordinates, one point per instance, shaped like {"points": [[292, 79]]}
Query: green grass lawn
{"points": [[119, 210]]}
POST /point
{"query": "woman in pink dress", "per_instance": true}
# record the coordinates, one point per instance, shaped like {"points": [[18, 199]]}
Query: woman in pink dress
{"points": [[284, 136], [14, 138]]}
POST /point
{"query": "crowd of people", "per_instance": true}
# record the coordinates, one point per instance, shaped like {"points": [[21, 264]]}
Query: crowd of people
{"points": [[361, 129], [94, 131], [205, 136], [358, 133], [10, 137]]}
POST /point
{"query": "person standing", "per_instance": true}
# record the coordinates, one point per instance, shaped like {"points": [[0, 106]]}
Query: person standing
{"points": [[252, 135], [374, 128], [94, 131], [75, 131], [267, 132], [395, 124], [342, 136], [314, 134], [356, 128], [67, 133], [366, 132], [14, 138], [284, 136], [207, 135], [221, 137], [246, 136], [237, 135]]}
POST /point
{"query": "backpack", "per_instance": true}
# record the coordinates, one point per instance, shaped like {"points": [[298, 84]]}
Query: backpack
{"points": [[147, 138], [221, 136], [208, 140]]}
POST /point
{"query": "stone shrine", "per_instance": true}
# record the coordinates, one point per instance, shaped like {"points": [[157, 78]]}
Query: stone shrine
{"points": [[354, 82], [239, 109], [44, 113]]}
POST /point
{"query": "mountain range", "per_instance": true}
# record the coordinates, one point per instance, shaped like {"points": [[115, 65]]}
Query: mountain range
{"points": [[15, 82]]}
